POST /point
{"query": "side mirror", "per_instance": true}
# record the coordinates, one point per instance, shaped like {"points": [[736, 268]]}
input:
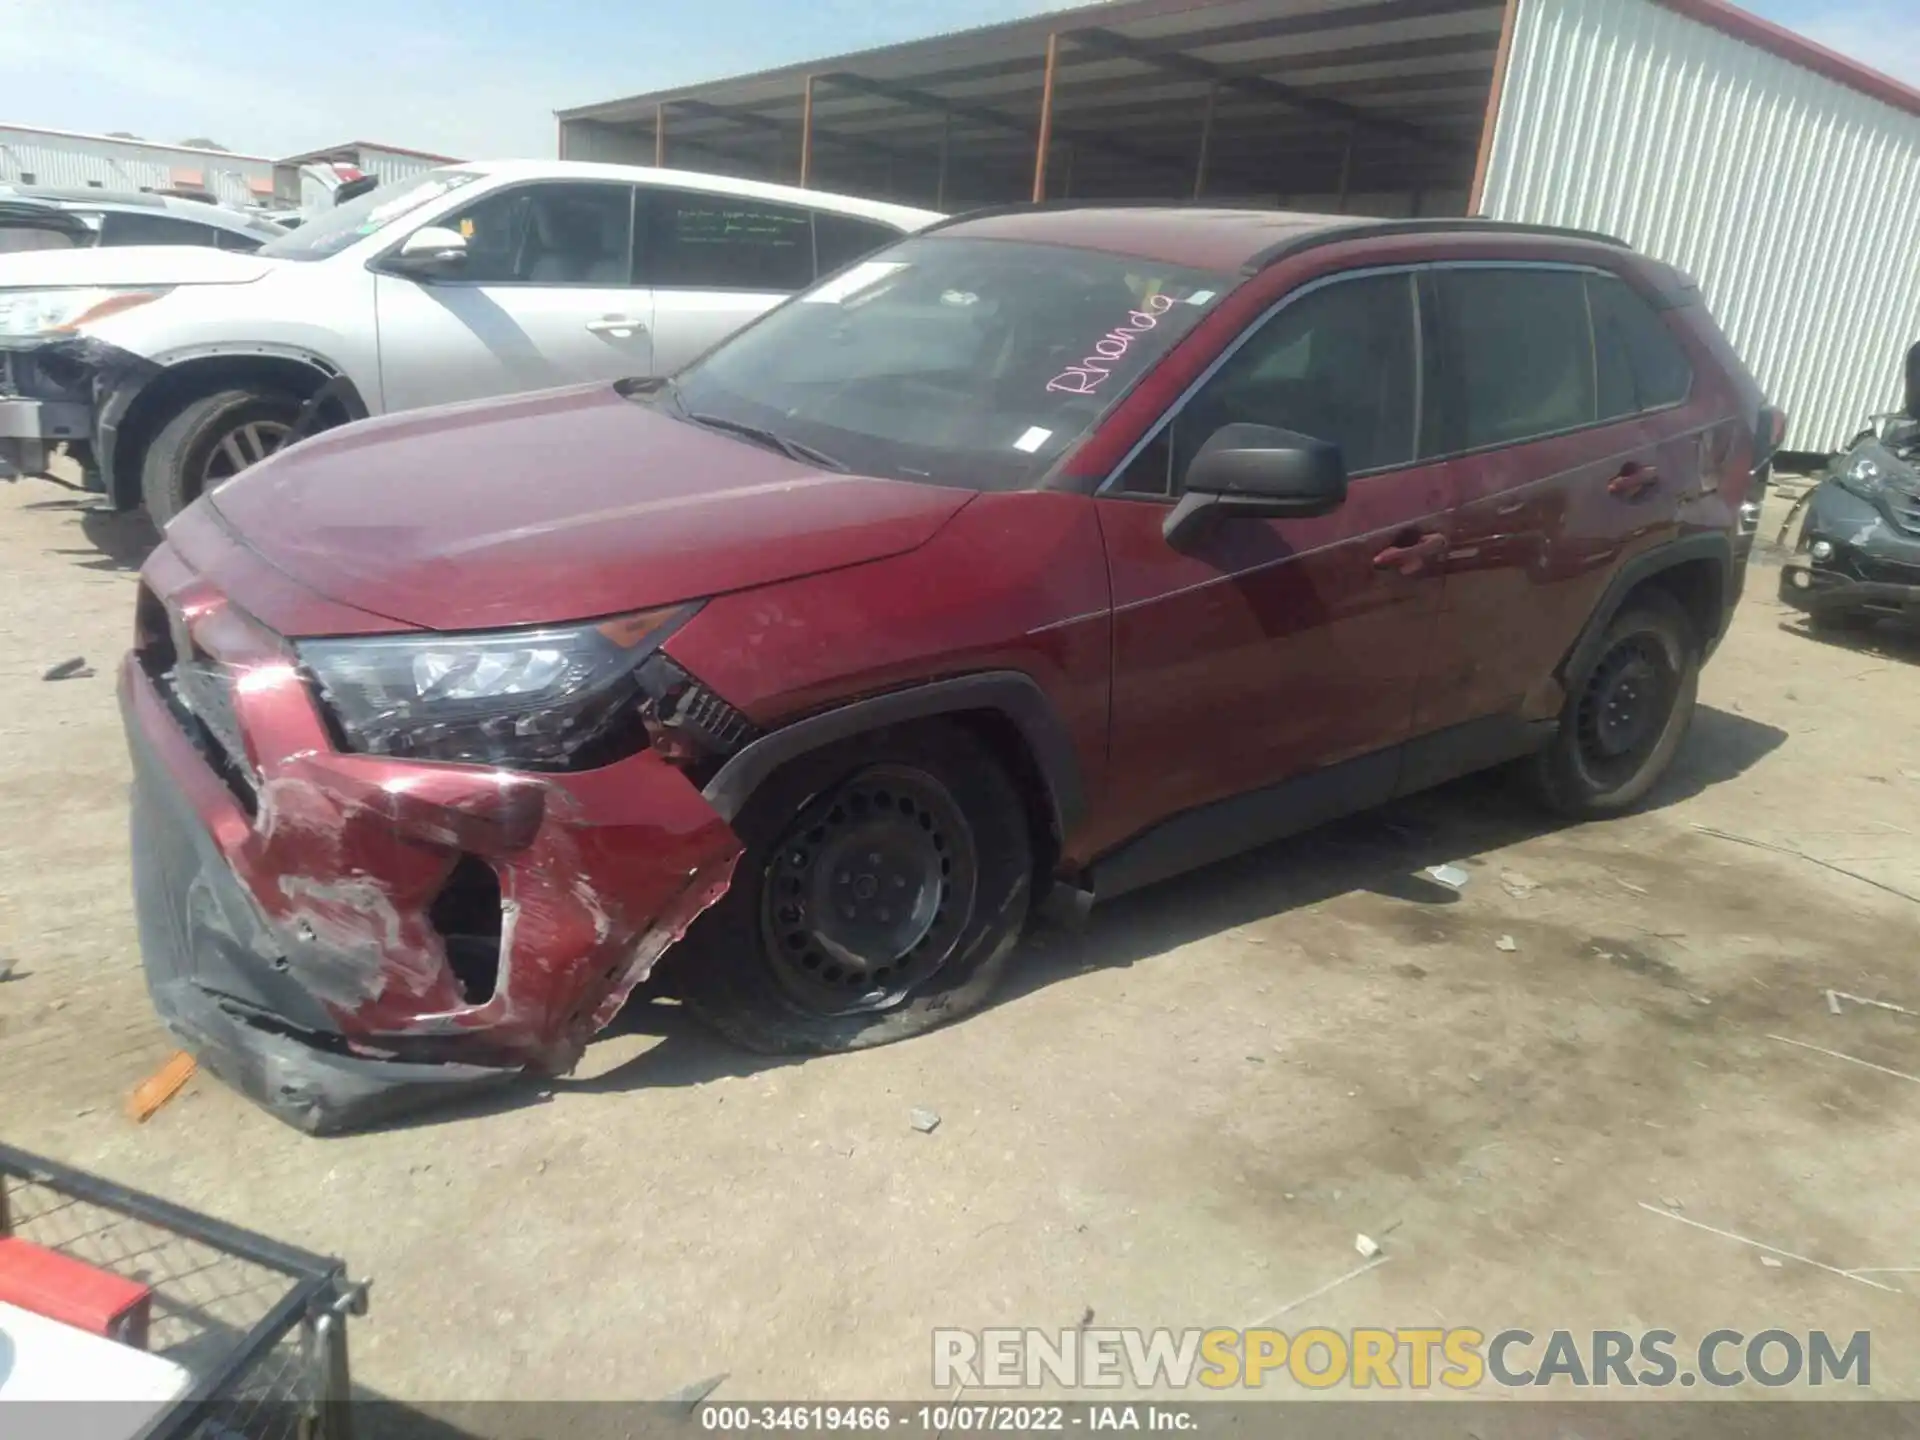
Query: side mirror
{"points": [[1256, 471], [430, 250], [1913, 383]]}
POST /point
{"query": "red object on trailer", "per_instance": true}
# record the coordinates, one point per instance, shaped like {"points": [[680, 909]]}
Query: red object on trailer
{"points": [[64, 1289]]}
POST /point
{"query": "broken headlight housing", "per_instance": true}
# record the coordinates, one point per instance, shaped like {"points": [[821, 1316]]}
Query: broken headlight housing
{"points": [[560, 698], [1867, 470]]}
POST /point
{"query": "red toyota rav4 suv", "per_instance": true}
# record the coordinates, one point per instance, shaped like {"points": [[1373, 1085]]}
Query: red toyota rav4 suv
{"points": [[1053, 546]]}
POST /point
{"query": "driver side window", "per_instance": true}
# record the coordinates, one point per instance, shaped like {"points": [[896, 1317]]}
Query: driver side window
{"points": [[548, 234], [1338, 364]]}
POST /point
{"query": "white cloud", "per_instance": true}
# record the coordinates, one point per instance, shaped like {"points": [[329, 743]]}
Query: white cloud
{"points": [[1885, 36]]}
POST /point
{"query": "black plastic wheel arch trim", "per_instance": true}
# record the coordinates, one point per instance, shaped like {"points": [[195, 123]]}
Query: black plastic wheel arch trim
{"points": [[1014, 695], [1641, 568]]}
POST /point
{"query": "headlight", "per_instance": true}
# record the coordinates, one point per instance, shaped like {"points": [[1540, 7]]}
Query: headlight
{"points": [[1863, 475], [56, 312], [539, 699]]}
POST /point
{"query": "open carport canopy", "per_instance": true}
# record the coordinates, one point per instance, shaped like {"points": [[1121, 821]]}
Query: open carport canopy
{"points": [[1372, 106]]}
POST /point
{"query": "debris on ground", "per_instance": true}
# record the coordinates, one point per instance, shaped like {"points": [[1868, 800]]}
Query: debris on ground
{"points": [[1850, 1059], [1629, 885], [1517, 885], [74, 669], [6, 973], [691, 1395], [925, 1121], [1506, 943], [1086, 1317], [1366, 1245], [1773, 1264], [1834, 997], [160, 1087], [1810, 859], [1854, 1276], [1454, 877], [1671, 1203]]}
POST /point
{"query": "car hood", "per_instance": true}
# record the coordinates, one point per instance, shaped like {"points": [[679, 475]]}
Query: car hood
{"points": [[130, 265], [555, 506]]}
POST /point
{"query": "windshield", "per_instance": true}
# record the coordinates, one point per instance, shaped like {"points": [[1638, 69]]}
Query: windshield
{"points": [[334, 230], [967, 362]]}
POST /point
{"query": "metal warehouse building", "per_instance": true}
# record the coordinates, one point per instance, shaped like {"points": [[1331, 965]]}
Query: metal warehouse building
{"points": [[1785, 178], [32, 156]]}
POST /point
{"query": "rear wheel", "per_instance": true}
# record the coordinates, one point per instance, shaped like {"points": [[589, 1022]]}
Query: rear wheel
{"points": [[210, 441], [1626, 716], [882, 889]]}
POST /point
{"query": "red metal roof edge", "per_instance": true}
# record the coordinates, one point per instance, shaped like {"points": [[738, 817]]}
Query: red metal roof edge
{"points": [[1792, 46]]}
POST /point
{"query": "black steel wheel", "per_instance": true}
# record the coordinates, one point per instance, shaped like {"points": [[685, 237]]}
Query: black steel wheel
{"points": [[1625, 718], [883, 886], [869, 891]]}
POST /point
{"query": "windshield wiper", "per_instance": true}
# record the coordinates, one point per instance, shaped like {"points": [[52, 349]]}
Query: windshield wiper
{"points": [[792, 449]]}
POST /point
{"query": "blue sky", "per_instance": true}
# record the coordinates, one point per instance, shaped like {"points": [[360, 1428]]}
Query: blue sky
{"points": [[481, 77]]}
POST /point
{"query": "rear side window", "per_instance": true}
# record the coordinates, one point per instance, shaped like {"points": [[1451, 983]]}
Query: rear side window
{"points": [[120, 228], [723, 242], [1521, 349], [1641, 366], [841, 239], [1336, 364]]}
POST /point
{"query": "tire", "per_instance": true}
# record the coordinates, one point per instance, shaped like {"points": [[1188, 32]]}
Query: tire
{"points": [[781, 967], [198, 448], [1627, 715]]}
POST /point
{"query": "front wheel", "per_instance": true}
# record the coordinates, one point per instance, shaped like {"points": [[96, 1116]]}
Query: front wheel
{"points": [[883, 886], [1625, 718], [210, 441]]}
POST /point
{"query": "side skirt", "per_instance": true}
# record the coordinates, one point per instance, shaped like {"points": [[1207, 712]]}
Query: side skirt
{"points": [[1224, 828]]}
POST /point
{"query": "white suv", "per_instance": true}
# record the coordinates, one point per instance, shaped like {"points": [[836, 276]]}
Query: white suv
{"points": [[168, 370]]}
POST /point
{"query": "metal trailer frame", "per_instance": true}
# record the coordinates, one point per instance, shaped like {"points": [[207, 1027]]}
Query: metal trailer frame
{"points": [[307, 1318]]}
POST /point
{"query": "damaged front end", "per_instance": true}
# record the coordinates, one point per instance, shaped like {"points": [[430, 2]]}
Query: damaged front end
{"points": [[1858, 553], [52, 390], [353, 900]]}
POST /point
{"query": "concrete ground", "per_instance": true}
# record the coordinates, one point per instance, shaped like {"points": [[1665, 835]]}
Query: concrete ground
{"points": [[1181, 1117]]}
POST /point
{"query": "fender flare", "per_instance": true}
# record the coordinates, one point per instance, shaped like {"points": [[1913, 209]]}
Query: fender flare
{"points": [[1010, 692], [1641, 568], [125, 383]]}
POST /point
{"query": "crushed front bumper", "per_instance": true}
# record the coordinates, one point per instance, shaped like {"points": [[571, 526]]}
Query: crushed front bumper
{"points": [[293, 900], [1870, 566]]}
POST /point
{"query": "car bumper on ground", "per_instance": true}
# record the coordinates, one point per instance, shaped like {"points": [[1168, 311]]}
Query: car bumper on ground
{"points": [[343, 937], [1851, 559]]}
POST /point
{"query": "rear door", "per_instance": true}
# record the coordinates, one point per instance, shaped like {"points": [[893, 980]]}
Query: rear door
{"points": [[1557, 478], [714, 262], [1275, 647], [546, 298]]}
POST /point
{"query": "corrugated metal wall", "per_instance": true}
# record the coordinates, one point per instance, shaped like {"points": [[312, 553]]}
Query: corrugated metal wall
{"points": [[1793, 200], [84, 160], [389, 165]]}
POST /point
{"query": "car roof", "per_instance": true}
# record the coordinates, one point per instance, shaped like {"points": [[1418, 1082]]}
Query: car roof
{"points": [[70, 197], [905, 217], [1212, 237]]}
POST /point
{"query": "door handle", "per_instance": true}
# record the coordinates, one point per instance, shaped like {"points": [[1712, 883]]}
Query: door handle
{"points": [[1633, 481], [617, 325], [1411, 558]]}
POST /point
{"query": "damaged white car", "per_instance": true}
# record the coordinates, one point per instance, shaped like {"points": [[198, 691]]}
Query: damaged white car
{"points": [[167, 370]]}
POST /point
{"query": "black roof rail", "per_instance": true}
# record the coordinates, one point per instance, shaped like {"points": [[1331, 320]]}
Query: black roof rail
{"points": [[1436, 225], [1359, 228]]}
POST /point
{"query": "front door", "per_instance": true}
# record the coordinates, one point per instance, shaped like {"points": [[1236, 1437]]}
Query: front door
{"points": [[1274, 648], [545, 298]]}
